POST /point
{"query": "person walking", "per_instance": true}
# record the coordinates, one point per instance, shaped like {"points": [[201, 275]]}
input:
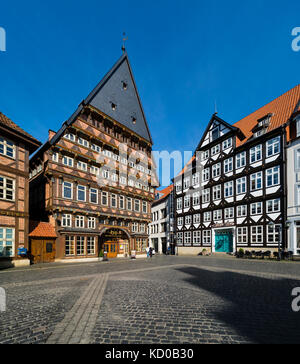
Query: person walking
{"points": [[150, 252]]}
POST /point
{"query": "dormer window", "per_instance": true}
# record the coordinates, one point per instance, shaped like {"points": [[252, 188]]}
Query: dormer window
{"points": [[133, 119], [124, 85], [113, 106]]}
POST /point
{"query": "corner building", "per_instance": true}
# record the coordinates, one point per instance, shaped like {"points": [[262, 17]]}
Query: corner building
{"points": [[94, 179]]}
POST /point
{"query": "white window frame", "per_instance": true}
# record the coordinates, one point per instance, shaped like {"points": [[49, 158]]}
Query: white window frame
{"points": [[256, 154], [256, 236], [240, 160], [7, 148], [229, 213], [206, 238], [81, 189], [6, 190], [206, 196], [241, 211], [91, 222], [273, 172], [79, 222], [7, 242], [255, 177], [93, 192], [228, 165], [228, 189], [69, 187], [216, 170], [242, 235], [197, 219], [217, 193], [207, 216], [67, 161], [241, 186], [197, 237], [270, 207], [66, 220], [273, 146], [256, 208], [218, 214]]}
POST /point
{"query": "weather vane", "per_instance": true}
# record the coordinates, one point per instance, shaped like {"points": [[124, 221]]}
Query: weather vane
{"points": [[124, 40]]}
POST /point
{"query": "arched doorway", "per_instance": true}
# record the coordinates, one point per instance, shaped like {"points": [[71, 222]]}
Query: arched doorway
{"points": [[115, 241]]}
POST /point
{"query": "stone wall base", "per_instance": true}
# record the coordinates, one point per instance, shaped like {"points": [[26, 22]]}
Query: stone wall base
{"points": [[14, 263], [192, 250]]}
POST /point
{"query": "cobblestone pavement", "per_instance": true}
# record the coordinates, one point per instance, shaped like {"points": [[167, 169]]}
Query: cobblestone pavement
{"points": [[166, 300]]}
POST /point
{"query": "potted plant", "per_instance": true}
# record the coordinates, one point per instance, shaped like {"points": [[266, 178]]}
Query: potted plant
{"points": [[101, 255], [240, 253], [204, 251]]}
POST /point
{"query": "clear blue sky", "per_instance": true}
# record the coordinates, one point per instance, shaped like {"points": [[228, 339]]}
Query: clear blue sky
{"points": [[184, 54]]}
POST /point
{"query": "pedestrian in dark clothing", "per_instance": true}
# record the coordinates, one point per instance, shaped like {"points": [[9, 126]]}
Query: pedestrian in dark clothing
{"points": [[150, 252]]}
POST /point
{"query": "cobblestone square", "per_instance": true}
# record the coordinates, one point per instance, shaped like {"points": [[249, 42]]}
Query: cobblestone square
{"points": [[168, 300]]}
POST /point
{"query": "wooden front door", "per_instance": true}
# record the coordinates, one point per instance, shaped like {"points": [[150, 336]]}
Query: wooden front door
{"points": [[111, 248], [43, 251]]}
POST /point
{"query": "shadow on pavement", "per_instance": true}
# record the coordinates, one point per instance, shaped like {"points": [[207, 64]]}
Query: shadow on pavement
{"points": [[259, 308]]}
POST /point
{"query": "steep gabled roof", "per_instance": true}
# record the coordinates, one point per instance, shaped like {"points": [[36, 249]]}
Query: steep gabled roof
{"points": [[281, 109], [10, 125]]}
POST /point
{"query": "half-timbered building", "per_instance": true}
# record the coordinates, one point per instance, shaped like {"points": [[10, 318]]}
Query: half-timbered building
{"points": [[232, 194], [15, 147], [94, 179]]}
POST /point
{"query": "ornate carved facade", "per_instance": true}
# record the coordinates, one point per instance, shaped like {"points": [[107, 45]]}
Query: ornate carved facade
{"points": [[94, 180]]}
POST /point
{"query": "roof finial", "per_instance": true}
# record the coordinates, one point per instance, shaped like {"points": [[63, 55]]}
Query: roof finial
{"points": [[216, 109], [124, 40]]}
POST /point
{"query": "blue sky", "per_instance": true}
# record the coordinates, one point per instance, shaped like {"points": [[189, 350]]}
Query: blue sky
{"points": [[184, 55]]}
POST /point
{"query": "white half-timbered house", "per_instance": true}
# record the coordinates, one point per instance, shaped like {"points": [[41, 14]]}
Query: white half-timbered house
{"points": [[232, 194]]}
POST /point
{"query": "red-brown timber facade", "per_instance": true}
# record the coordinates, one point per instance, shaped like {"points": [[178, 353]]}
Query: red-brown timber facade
{"points": [[94, 179], [15, 147]]}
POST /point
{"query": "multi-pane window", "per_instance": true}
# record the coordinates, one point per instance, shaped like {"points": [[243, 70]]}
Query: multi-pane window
{"points": [[227, 144], [82, 166], [135, 227], [179, 203], [207, 216], [145, 207], [79, 221], [95, 170], [69, 245], [91, 245], [228, 165], [178, 186], [188, 220], [142, 228], [215, 133], [256, 208], [83, 142], [67, 190], [123, 180], [113, 200], [186, 183], [217, 215], [7, 148], [256, 181], [215, 150], [242, 211], [228, 189], [229, 213], [55, 157], [240, 160], [206, 196], [206, 237], [7, 189], [80, 245], [129, 204], [257, 234], [187, 238], [242, 235], [205, 175], [241, 185], [67, 161], [205, 155], [137, 205], [81, 193], [180, 221], [66, 220], [196, 199], [70, 136], [179, 238], [273, 146], [187, 201], [273, 176], [196, 178], [92, 223], [273, 205], [273, 234], [93, 195], [196, 237], [122, 202], [216, 170], [196, 219], [104, 198], [256, 154], [217, 192], [96, 148], [7, 242]]}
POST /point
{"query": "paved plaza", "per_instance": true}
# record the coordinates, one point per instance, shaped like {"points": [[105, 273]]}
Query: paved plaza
{"points": [[166, 300]]}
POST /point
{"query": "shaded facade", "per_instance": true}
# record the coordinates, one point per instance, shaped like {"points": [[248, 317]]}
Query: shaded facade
{"points": [[15, 147], [94, 179]]}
